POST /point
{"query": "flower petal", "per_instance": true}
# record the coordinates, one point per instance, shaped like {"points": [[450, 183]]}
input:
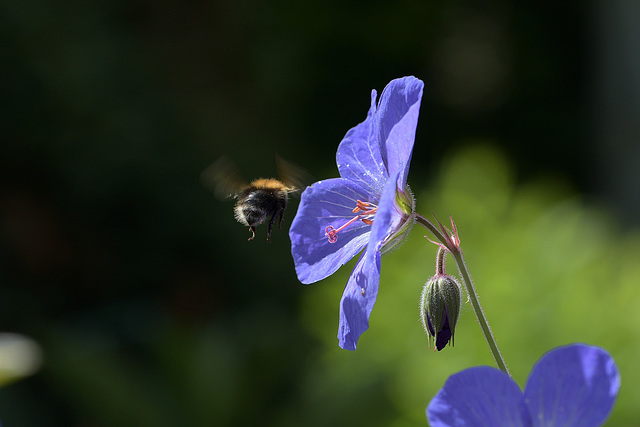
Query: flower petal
{"points": [[397, 118], [358, 299], [479, 396], [387, 217], [574, 385], [361, 291], [327, 203], [358, 156]]}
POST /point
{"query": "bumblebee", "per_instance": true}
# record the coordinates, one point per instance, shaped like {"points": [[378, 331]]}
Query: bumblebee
{"points": [[261, 199]]}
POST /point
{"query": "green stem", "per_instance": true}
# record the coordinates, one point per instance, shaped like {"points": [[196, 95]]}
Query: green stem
{"points": [[471, 291], [441, 257]]}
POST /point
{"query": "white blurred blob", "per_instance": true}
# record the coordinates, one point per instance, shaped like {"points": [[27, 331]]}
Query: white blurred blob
{"points": [[20, 356]]}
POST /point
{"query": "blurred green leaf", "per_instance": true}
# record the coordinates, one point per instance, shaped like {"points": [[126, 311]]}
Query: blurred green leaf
{"points": [[550, 270]]}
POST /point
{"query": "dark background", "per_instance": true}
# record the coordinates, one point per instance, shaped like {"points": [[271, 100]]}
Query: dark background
{"points": [[134, 279]]}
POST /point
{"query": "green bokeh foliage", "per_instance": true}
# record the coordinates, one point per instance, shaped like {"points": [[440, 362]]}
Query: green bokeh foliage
{"points": [[550, 270]]}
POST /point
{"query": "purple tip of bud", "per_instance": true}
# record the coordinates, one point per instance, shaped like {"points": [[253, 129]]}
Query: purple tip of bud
{"points": [[444, 336], [430, 326]]}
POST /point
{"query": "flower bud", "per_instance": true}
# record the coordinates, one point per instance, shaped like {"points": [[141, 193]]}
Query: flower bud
{"points": [[440, 309], [405, 201]]}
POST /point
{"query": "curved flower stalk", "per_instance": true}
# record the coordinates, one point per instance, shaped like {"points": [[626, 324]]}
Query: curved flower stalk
{"points": [[369, 207], [570, 386], [449, 241]]}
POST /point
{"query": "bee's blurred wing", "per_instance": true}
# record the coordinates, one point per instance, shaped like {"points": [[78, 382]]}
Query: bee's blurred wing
{"points": [[293, 176], [222, 177]]}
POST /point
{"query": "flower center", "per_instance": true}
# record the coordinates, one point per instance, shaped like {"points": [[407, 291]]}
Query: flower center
{"points": [[364, 211]]}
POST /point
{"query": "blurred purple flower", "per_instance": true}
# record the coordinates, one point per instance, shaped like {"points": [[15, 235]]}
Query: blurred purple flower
{"points": [[369, 207], [570, 386]]}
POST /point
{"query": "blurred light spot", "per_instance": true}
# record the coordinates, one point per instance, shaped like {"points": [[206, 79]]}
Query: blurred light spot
{"points": [[19, 357]]}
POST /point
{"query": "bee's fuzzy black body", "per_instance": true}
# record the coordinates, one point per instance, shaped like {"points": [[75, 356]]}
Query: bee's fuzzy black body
{"points": [[261, 199]]}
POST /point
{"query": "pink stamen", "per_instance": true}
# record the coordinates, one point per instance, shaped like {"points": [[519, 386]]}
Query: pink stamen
{"points": [[363, 209]]}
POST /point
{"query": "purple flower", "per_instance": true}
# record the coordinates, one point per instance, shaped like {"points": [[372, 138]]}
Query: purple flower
{"points": [[369, 207], [570, 386]]}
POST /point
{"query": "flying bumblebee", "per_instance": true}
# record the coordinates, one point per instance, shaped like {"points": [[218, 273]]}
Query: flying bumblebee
{"points": [[258, 200]]}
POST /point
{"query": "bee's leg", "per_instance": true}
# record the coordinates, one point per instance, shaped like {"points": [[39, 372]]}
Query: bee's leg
{"points": [[253, 232], [280, 219], [271, 226]]}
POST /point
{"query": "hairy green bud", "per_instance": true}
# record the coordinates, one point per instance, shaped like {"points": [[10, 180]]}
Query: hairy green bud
{"points": [[440, 308]]}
